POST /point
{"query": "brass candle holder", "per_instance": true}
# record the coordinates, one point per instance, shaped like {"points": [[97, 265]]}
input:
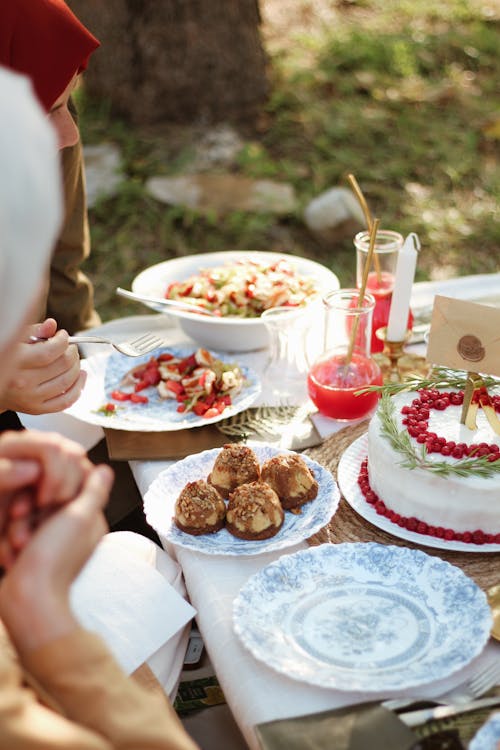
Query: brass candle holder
{"points": [[396, 363]]}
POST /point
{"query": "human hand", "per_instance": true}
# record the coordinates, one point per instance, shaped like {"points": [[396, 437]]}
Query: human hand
{"points": [[64, 464], [48, 377], [38, 472], [34, 594], [15, 503]]}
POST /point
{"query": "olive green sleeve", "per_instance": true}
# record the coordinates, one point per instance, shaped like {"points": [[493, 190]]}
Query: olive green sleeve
{"points": [[70, 295]]}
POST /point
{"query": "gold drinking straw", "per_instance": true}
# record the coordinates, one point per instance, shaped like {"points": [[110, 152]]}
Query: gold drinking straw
{"points": [[361, 296], [368, 218]]}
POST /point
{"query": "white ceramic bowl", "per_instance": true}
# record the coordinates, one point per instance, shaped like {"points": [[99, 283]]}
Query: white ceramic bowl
{"points": [[224, 334]]}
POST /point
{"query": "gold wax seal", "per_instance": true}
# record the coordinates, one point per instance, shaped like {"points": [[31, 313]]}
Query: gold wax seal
{"points": [[470, 347]]}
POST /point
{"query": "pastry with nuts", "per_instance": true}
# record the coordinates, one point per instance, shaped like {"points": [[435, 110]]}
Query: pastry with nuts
{"points": [[254, 512], [236, 464], [199, 509], [291, 479]]}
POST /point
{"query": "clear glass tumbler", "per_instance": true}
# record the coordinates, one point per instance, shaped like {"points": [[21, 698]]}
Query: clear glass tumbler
{"points": [[346, 365], [381, 277], [285, 375]]}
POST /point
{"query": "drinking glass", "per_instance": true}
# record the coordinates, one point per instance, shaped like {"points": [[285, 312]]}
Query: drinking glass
{"points": [[285, 375], [380, 281], [346, 365]]}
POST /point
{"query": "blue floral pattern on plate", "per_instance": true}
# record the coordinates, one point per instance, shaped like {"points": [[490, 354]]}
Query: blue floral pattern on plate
{"points": [[362, 617], [104, 373], [160, 498], [348, 471], [488, 736]]}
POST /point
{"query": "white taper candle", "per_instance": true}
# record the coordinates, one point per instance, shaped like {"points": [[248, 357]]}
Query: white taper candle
{"points": [[403, 282]]}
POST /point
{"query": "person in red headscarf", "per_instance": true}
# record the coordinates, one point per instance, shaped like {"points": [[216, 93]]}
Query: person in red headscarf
{"points": [[47, 42], [44, 40]]}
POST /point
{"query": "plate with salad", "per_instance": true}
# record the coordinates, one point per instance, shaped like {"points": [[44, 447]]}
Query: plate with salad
{"points": [[172, 388]]}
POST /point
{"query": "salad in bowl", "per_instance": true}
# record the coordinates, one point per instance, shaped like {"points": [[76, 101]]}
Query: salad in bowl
{"points": [[245, 287], [237, 287]]}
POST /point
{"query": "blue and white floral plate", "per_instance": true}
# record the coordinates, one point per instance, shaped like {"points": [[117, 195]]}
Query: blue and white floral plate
{"points": [[362, 617], [104, 373], [348, 472], [488, 737], [160, 498]]}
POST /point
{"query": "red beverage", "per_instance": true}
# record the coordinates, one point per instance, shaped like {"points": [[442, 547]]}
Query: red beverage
{"points": [[332, 389], [382, 291], [380, 281], [380, 288]]}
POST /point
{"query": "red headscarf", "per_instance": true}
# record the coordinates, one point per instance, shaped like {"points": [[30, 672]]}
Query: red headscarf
{"points": [[46, 41]]}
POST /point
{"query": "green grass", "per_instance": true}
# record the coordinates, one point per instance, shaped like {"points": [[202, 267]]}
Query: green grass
{"points": [[403, 94]]}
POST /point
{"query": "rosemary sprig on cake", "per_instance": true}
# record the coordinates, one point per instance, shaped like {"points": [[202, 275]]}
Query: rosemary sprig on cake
{"points": [[417, 459], [439, 378]]}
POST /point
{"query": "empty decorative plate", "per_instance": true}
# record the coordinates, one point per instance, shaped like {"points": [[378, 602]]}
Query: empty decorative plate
{"points": [[362, 617]]}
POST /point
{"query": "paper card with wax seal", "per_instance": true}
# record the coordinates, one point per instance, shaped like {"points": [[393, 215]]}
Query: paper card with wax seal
{"points": [[465, 336]]}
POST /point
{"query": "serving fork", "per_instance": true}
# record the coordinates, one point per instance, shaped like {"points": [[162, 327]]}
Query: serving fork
{"points": [[135, 348], [161, 303]]}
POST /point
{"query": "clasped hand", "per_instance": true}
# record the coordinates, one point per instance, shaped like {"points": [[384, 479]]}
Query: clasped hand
{"points": [[51, 501]]}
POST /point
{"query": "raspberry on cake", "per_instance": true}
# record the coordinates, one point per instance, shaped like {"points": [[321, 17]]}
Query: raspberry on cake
{"points": [[199, 509], [291, 479], [236, 464], [254, 512]]}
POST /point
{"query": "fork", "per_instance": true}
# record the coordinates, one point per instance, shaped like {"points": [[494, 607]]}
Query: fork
{"points": [[484, 679], [476, 686], [135, 348]]}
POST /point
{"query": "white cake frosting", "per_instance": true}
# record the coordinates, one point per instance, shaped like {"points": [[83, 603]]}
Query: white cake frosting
{"points": [[453, 502]]}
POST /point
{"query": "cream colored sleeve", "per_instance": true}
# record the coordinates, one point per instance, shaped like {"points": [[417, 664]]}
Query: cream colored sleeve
{"points": [[79, 673], [25, 724]]}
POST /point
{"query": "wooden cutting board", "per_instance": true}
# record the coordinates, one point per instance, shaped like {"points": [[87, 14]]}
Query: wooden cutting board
{"points": [[124, 445]]}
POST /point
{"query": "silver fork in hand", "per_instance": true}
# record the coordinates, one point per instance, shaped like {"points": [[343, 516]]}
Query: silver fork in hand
{"points": [[476, 686], [135, 348]]}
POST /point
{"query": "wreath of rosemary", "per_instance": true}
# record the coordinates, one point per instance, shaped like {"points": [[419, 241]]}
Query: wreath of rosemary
{"points": [[417, 459]]}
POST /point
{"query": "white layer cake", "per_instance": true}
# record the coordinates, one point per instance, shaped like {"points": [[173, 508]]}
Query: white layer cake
{"points": [[453, 502]]}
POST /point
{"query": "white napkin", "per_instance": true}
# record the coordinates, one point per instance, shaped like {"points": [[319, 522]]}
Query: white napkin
{"points": [[87, 435], [129, 604], [327, 426]]}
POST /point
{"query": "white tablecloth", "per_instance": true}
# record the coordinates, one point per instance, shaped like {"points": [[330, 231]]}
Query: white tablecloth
{"points": [[254, 692]]}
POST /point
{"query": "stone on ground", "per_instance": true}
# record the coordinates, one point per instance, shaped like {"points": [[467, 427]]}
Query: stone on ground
{"points": [[223, 193], [102, 170], [334, 214], [218, 148]]}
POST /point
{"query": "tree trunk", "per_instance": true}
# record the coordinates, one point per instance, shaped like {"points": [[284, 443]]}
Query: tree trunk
{"points": [[177, 60]]}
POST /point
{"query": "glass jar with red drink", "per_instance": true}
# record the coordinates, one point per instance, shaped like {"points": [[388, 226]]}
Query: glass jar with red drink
{"points": [[381, 276], [346, 365]]}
